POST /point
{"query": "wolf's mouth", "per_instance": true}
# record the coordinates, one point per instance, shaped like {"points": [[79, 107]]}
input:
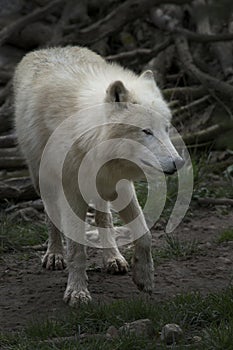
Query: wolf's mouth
{"points": [[152, 166]]}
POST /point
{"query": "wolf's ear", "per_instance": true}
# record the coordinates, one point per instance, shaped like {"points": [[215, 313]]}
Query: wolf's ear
{"points": [[148, 76], [117, 92]]}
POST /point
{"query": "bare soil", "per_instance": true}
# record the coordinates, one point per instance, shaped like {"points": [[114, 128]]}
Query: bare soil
{"points": [[29, 292]]}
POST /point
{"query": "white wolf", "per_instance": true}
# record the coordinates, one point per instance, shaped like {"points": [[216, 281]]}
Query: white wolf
{"points": [[51, 85]]}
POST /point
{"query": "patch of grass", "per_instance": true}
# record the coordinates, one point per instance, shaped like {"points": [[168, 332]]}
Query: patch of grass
{"points": [[200, 170], [203, 183], [226, 236], [220, 336], [209, 317], [14, 235], [141, 188], [50, 328], [175, 248], [7, 340]]}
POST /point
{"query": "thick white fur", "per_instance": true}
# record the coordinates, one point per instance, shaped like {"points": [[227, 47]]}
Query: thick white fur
{"points": [[53, 84]]}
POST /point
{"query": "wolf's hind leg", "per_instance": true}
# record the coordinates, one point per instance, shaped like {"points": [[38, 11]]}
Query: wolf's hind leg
{"points": [[114, 262], [54, 257]]}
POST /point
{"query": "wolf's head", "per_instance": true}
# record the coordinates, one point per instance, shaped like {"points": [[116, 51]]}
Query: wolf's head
{"points": [[141, 115]]}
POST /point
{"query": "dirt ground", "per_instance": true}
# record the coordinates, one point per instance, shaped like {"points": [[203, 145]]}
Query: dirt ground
{"points": [[29, 292]]}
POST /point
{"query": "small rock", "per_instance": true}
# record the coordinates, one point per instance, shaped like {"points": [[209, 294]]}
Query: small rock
{"points": [[171, 333], [212, 227], [221, 268], [140, 327], [197, 339], [225, 260], [208, 245], [112, 332]]}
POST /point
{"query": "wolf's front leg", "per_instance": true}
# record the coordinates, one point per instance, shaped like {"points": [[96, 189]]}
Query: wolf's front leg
{"points": [[76, 290], [142, 262], [143, 265]]}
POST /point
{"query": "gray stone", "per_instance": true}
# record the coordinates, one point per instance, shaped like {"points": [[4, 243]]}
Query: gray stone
{"points": [[171, 333], [197, 339], [112, 332], [142, 327]]}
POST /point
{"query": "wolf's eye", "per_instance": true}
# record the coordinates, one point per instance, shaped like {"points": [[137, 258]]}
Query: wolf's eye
{"points": [[148, 132], [167, 128]]}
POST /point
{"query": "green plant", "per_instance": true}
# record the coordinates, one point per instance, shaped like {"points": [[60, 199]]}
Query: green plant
{"points": [[14, 235], [175, 248], [226, 236]]}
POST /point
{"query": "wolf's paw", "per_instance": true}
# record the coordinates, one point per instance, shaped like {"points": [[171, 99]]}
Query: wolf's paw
{"points": [[143, 274], [53, 261], [116, 265], [76, 297]]}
